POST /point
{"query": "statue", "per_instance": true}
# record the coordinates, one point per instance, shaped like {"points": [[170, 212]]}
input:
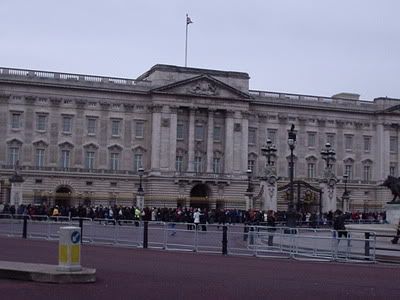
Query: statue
{"points": [[393, 183]]}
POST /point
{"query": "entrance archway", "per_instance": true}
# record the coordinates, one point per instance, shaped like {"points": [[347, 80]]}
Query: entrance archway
{"points": [[199, 196], [63, 196]]}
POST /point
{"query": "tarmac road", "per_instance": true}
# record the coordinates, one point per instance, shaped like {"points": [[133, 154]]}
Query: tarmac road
{"points": [[131, 273]]}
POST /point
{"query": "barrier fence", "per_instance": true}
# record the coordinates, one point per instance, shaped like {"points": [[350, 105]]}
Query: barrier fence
{"points": [[260, 241]]}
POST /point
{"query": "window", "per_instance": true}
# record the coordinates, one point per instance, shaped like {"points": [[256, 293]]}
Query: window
{"points": [[367, 143], [115, 127], [41, 122], [393, 170], [13, 155], [39, 158], [311, 139], [348, 142], [250, 164], [252, 136], [348, 169], [179, 132], [67, 124], [91, 126], [197, 164], [16, 120], [65, 158], [137, 162], [216, 165], [199, 132], [367, 173], [139, 129], [271, 134], [89, 160], [179, 163], [330, 138], [217, 134], [114, 161], [311, 170], [393, 144]]}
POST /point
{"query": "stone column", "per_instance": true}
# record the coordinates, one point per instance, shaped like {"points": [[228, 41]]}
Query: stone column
{"points": [[228, 164], [382, 152], [172, 142], [155, 138], [191, 141], [245, 143], [210, 141]]}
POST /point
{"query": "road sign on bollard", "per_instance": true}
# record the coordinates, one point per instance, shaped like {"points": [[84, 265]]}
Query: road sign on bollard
{"points": [[69, 249]]}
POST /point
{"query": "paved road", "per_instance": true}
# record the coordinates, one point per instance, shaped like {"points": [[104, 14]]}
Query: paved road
{"points": [[131, 273]]}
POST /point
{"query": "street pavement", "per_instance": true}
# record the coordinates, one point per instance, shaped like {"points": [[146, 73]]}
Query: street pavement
{"points": [[133, 273]]}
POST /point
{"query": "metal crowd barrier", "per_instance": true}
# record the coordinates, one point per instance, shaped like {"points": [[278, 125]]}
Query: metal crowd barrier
{"points": [[261, 241]]}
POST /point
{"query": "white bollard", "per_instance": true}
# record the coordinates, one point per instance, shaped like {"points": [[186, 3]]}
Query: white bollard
{"points": [[69, 249]]}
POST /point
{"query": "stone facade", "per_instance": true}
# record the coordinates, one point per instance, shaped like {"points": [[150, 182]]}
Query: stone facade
{"points": [[81, 138]]}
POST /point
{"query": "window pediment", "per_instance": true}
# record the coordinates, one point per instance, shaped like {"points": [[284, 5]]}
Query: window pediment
{"points": [[91, 146], [15, 141]]}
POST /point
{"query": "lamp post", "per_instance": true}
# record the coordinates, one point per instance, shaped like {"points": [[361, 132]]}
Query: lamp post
{"points": [[345, 196], [249, 172], [140, 191], [268, 151], [328, 154], [291, 214], [249, 191]]}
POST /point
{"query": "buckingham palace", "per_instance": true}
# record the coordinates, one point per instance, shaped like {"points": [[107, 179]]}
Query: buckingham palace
{"points": [[184, 136]]}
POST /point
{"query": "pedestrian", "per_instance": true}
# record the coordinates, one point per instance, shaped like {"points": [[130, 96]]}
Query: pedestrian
{"points": [[338, 224], [196, 218], [271, 223], [396, 238]]}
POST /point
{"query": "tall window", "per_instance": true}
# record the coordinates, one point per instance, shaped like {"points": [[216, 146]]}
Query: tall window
{"points": [[16, 120], [115, 127], [139, 129], [199, 132], [89, 160], [349, 171], [393, 170], [348, 142], [91, 126], [271, 134], [311, 170], [137, 162], [197, 164], [393, 144], [217, 134], [251, 165], [39, 158], [65, 158], [216, 165], [179, 131], [67, 124], [179, 163], [41, 122], [13, 155], [330, 138], [311, 139], [114, 161], [367, 143], [252, 136], [367, 173]]}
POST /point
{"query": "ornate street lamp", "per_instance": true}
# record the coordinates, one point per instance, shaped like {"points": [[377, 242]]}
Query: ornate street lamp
{"points": [[140, 191], [328, 154], [268, 151], [291, 214]]}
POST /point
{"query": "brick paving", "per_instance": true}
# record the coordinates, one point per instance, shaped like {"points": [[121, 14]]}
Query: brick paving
{"points": [[131, 273]]}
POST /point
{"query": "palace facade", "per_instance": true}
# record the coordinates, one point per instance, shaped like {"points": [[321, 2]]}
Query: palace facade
{"points": [[81, 139]]}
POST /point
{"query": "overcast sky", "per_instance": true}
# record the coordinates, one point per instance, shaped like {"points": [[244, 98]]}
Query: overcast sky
{"points": [[315, 47]]}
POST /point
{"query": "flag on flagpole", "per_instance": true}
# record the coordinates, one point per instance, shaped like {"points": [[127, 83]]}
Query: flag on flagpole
{"points": [[188, 20]]}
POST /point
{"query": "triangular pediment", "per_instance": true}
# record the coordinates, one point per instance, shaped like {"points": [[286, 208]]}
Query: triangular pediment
{"points": [[203, 86]]}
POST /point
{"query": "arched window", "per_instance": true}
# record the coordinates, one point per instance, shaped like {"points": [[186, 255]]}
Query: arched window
{"points": [[65, 150], [90, 156], [138, 158], [114, 157], [14, 151], [349, 167]]}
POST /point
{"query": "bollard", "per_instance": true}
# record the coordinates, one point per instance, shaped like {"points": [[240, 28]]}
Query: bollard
{"points": [[366, 248], [69, 249], [81, 226], [224, 240], [25, 227], [145, 234]]}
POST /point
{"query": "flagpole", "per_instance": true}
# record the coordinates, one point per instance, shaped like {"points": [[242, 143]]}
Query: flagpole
{"points": [[187, 24]]}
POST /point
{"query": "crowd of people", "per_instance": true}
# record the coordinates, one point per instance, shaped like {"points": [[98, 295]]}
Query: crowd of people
{"points": [[182, 214]]}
